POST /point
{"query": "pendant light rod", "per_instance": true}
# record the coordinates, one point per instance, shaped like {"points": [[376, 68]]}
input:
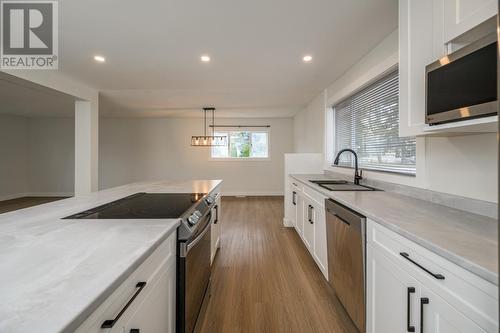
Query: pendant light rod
{"points": [[205, 127], [240, 126]]}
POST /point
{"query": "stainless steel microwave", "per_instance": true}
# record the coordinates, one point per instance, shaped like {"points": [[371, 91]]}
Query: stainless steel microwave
{"points": [[463, 85]]}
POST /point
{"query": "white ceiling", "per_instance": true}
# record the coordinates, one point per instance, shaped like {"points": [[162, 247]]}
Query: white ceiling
{"points": [[153, 51]]}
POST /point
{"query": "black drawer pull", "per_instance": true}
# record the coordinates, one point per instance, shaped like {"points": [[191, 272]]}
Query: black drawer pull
{"points": [[407, 257], [216, 207], [135, 330], [294, 198], [409, 327], [423, 301], [111, 322]]}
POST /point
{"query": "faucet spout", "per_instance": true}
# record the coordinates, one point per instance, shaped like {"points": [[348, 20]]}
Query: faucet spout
{"points": [[357, 172]]}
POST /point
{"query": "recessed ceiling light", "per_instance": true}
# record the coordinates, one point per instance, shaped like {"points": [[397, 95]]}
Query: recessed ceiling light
{"points": [[307, 58], [99, 58], [205, 58]]}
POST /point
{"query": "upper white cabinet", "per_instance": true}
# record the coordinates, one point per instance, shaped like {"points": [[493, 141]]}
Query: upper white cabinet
{"points": [[461, 16], [416, 50], [428, 30]]}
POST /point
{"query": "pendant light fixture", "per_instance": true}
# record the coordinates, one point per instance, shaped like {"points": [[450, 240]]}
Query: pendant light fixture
{"points": [[208, 140]]}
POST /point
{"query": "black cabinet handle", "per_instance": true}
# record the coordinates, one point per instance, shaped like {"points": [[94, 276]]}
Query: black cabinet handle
{"points": [[216, 207], [309, 213], [111, 322], [423, 301], [409, 327], [311, 208], [294, 198], [407, 257], [135, 330]]}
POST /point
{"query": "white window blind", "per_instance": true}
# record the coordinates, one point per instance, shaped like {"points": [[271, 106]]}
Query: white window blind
{"points": [[368, 123]]}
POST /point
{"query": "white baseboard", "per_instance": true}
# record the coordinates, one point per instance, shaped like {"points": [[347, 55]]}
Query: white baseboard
{"points": [[50, 194], [11, 196], [36, 194], [252, 194], [287, 223]]}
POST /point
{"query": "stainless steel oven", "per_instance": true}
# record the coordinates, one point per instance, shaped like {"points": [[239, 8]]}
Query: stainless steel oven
{"points": [[193, 276], [463, 84]]}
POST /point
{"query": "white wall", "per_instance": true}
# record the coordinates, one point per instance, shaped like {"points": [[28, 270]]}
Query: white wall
{"points": [[136, 149], [13, 157], [309, 127], [462, 165], [86, 122], [51, 155], [37, 156]]}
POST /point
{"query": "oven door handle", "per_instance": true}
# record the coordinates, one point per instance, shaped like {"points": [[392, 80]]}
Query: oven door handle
{"points": [[198, 238]]}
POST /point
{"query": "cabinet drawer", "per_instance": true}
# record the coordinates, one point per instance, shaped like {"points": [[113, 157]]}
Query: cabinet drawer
{"points": [[147, 272], [315, 196], [468, 293]]}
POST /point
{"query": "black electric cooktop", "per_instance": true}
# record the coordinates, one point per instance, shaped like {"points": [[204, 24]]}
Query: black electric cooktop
{"points": [[143, 206]]}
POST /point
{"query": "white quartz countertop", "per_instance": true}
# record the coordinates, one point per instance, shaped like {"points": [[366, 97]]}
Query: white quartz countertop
{"points": [[54, 273], [466, 239]]}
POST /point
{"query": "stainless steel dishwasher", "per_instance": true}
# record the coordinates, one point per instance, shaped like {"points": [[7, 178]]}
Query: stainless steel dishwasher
{"points": [[346, 259]]}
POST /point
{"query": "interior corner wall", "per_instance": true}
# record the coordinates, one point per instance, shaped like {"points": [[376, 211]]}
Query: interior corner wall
{"points": [[141, 149], [309, 129], [13, 157]]}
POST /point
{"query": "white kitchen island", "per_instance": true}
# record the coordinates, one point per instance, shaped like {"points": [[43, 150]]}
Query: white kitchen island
{"points": [[55, 273]]}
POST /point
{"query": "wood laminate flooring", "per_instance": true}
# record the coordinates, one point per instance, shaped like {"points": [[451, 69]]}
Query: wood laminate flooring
{"points": [[25, 202], [263, 277]]}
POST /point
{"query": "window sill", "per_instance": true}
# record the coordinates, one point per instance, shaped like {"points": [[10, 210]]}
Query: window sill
{"points": [[239, 159], [399, 173]]}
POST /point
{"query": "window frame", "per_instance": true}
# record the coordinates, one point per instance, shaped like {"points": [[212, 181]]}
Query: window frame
{"points": [[331, 118], [243, 159]]}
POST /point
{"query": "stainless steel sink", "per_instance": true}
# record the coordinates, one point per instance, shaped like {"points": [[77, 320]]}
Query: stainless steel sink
{"points": [[341, 185]]}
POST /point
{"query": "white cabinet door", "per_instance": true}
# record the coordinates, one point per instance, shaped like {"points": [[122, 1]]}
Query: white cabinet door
{"points": [[156, 312], [299, 211], [149, 307], [289, 206], [215, 229], [309, 218], [392, 296], [440, 317], [320, 248], [416, 50], [293, 210], [463, 15]]}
